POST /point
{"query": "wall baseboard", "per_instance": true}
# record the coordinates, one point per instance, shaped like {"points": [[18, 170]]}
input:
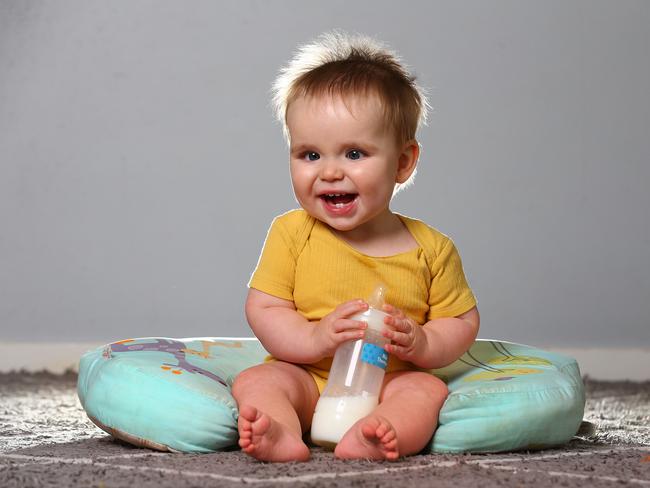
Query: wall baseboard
{"points": [[598, 363], [610, 363], [55, 357]]}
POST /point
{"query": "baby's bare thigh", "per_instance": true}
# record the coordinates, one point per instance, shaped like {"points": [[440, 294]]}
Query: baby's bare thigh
{"points": [[413, 386]]}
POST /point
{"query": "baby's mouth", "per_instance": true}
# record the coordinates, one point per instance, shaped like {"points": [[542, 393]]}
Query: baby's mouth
{"points": [[339, 199]]}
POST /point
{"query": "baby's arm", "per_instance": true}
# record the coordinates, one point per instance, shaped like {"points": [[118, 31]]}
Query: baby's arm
{"points": [[437, 343], [289, 336]]}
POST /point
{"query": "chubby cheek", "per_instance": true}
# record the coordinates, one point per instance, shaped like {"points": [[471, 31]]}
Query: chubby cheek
{"points": [[376, 202], [378, 192], [299, 192], [302, 191]]}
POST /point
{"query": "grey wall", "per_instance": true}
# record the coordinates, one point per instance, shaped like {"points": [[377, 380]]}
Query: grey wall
{"points": [[140, 165]]}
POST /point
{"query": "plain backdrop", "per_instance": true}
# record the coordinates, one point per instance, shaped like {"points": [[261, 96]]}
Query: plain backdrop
{"points": [[140, 164]]}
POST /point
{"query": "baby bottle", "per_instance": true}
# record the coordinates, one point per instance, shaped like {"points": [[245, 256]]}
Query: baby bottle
{"points": [[355, 379]]}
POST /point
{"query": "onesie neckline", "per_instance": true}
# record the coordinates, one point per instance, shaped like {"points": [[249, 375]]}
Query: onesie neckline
{"points": [[405, 222]]}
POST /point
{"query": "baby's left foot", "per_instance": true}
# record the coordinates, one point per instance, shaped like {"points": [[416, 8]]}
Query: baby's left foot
{"points": [[372, 437]]}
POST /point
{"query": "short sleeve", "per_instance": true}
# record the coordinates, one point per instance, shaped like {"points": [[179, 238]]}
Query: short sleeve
{"points": [[449, 295], [276, 267]]}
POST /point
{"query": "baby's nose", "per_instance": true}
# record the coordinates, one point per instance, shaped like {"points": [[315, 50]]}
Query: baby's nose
{"points": [[331, 170]]}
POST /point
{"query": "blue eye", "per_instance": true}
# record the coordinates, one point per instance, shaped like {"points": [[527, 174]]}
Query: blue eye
{"points": [[354, 154], [312, 156]]}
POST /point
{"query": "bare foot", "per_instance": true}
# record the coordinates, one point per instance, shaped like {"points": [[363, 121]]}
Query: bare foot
{"points": [[267, 440], [372, 437]]}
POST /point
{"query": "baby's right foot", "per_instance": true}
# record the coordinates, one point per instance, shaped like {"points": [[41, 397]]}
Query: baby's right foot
{"points": [[372, 437], [267, 440]]}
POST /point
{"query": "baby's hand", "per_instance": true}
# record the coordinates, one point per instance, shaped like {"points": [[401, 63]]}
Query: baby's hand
{"points": [[336, 327], [408, 340]]}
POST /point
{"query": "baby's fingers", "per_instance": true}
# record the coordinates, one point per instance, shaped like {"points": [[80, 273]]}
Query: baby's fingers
{"points": [[343, 325], [397, 350], [399, 338], [399, 324], [394, 311], [348, 330], [349, 335], [349, 308]]}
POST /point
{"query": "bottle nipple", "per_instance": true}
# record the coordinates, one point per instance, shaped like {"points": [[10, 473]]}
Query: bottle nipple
{"points": [[376, 299]]}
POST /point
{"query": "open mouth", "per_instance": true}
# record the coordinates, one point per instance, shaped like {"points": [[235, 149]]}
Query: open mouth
{"points": [[339, 199], [339, 203]]}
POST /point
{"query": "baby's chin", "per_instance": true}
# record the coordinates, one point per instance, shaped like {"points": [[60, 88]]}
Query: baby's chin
{"points": [[341, 226]]}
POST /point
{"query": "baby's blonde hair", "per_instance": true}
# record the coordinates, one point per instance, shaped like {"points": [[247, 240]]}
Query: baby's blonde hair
{"points": [[338, 64]]}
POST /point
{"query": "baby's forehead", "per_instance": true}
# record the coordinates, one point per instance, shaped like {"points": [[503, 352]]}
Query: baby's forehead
{"points": [[363, 106]]}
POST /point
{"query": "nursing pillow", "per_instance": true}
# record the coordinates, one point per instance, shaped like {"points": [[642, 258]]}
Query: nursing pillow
{"points": [[174, 394]]}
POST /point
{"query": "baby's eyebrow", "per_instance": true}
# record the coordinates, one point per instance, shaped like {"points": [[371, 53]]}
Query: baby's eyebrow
{"points": [[366, 146], [303, 147], [300, 148]]}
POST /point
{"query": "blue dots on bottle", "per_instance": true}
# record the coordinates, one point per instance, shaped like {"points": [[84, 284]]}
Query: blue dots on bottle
{"points": [[375, 355]]}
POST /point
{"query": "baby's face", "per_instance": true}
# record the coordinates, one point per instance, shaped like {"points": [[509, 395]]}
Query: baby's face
{"points": [[344, 161]]}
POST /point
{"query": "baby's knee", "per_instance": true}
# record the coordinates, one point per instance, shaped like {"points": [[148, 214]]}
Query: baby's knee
{"points": [[430, 384], [251, 378], [438, 388], [271, 378]]}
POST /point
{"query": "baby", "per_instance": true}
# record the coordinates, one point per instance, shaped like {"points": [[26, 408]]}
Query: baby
{"points": [[350, 112]]}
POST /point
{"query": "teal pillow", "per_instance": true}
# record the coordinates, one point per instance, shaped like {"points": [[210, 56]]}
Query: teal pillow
{"points": [[174, 394], [505, 396]]}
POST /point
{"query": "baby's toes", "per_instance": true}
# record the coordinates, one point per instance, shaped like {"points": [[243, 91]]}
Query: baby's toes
{"points": [[383, 429], [244, 427], [389, 436], [248, 413], [370, 429], [392, 455], [390, 445]]}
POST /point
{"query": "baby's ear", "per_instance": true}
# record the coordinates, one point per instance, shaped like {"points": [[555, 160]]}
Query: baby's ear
{"points": [[408, 160]]}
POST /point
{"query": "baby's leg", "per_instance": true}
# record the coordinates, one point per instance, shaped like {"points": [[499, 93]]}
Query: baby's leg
{"points": [[276, 403], [403, 422]]}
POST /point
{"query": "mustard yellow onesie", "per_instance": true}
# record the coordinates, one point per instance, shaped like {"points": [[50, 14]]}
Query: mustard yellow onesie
{"points": [[305, 262]]}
